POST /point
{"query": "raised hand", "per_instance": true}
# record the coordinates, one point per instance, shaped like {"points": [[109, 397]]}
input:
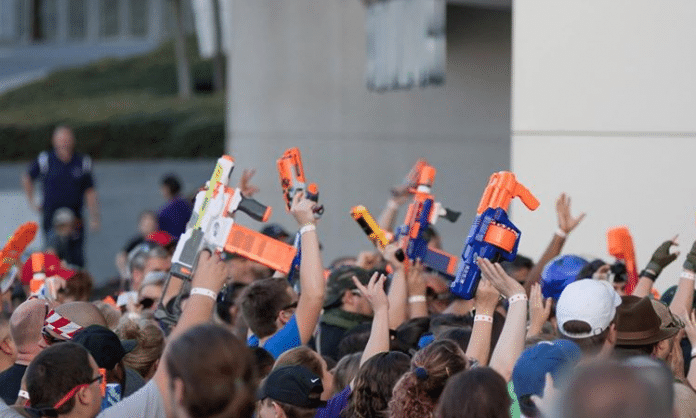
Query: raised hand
{"points": [[566, 222], [374, 291], [302, 209]]}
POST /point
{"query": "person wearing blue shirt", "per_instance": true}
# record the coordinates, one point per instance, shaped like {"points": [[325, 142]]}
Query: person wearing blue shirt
{"points": [[279, 319], [67, 182]]}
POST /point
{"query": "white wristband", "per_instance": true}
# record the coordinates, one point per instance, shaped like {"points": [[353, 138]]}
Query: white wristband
{"points": [[516, 298], [560, 233], [416, 299], [204, 292], [307, 228], [687, 275], [483, 318], [693, 352], [23, 394]]}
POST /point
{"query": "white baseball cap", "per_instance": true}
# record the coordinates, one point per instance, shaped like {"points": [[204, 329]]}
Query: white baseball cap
{"points": [[587, 300]]}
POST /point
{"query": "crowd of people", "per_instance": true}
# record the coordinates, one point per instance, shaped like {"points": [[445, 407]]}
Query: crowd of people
{"points": [[365, 335]]}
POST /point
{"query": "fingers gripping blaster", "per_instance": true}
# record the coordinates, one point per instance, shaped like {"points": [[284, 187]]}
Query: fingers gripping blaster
{"points": [[413, 181], [376, 234], [492, 235], [212, 227], [420, 215], [620, 245], [292, 181]]}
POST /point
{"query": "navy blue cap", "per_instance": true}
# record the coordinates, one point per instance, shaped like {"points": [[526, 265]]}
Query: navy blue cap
{"points": [[555, 357]]}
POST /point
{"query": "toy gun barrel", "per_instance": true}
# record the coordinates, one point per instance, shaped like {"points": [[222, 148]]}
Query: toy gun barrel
{"points": [[367, 223], [255, 209]]}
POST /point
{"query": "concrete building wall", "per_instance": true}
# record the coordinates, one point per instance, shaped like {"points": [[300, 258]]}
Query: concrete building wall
{"points": [[603, 105], [295, 78]]}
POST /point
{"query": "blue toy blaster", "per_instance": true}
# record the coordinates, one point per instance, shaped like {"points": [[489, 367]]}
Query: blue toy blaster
{"points": [[492, 235], [419, 217]]}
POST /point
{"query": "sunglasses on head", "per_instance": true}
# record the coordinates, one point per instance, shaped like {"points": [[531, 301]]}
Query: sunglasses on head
{"points": [[146, 303]]}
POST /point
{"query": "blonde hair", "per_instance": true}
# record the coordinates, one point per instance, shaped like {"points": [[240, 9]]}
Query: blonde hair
{"points": [[150, 346]]}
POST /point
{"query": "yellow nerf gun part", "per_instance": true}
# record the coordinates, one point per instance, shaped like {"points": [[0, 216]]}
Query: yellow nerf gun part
{"points": [[363, 217]]}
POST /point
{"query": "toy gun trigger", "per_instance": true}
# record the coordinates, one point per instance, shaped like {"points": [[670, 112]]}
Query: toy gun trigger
{"points": [[255, 209], [531, 202]]}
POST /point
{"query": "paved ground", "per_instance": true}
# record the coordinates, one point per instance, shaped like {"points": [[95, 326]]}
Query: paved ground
{"points": [[125, 189]]}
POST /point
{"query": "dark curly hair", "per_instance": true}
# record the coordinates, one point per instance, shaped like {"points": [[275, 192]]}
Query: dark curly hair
{"points": [[417, 392], [374, 384]]}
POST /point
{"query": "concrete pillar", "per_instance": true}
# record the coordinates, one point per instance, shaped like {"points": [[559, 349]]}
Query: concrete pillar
{"points": [[296, 78], [603, 109]]}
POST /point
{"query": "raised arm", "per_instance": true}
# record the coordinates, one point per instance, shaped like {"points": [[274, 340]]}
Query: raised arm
{"points": [[379, 333], [566, 224], [539, 311], [417, 302], [684, 297], [210, 274], [485, 301], [398, 289], [312, 285], [511, 341], [660, 259], [387, 218]]}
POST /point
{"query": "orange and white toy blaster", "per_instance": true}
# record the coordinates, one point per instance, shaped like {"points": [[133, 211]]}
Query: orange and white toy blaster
{"points": [[620, 245], [12, 251]]}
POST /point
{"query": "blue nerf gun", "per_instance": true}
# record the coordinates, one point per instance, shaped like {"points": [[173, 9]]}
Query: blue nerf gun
{"points": [[421, 214], [492, 235]]}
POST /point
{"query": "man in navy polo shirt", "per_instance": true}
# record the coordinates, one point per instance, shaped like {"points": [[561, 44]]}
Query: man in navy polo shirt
{"points": [[67, 182]]}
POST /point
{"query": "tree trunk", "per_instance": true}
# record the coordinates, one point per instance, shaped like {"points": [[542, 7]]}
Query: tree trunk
{"points": [[183, 68]]}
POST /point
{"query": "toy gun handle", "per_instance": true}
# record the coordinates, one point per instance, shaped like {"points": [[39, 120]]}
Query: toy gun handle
{"points": [[255, 209], [365, 220], [312, 193]]}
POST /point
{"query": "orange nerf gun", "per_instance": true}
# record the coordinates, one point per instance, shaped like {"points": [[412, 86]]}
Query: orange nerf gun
{"points": [[376, 234], [420, 215], [292, 179], [212, 226], [12, 251], [620, 245], [492, 235]]}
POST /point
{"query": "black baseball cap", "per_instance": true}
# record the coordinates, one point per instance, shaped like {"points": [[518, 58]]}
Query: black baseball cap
{"points": [[104, 345], [293, 385], [340, 280]]}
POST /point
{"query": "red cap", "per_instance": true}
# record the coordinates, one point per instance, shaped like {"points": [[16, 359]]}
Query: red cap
{"points": [[51, 266], [162, 238]]}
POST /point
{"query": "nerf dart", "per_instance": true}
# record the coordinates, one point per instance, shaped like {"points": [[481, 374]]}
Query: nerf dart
{"points": [[212, 227], [378, 237], [418, 218], [620, 245], [12, 251], [492, 235]]}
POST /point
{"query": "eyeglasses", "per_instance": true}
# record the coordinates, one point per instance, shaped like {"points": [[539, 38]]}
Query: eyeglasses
{"points": [[50, 339], [74, 390]]}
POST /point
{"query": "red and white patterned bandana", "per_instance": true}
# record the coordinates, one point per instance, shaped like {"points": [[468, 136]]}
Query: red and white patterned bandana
{"points": [[60, 325]]}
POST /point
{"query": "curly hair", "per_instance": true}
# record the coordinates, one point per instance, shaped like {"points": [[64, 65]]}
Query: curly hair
{"points": [[417, 392], [150, 345], [374, 385]]}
